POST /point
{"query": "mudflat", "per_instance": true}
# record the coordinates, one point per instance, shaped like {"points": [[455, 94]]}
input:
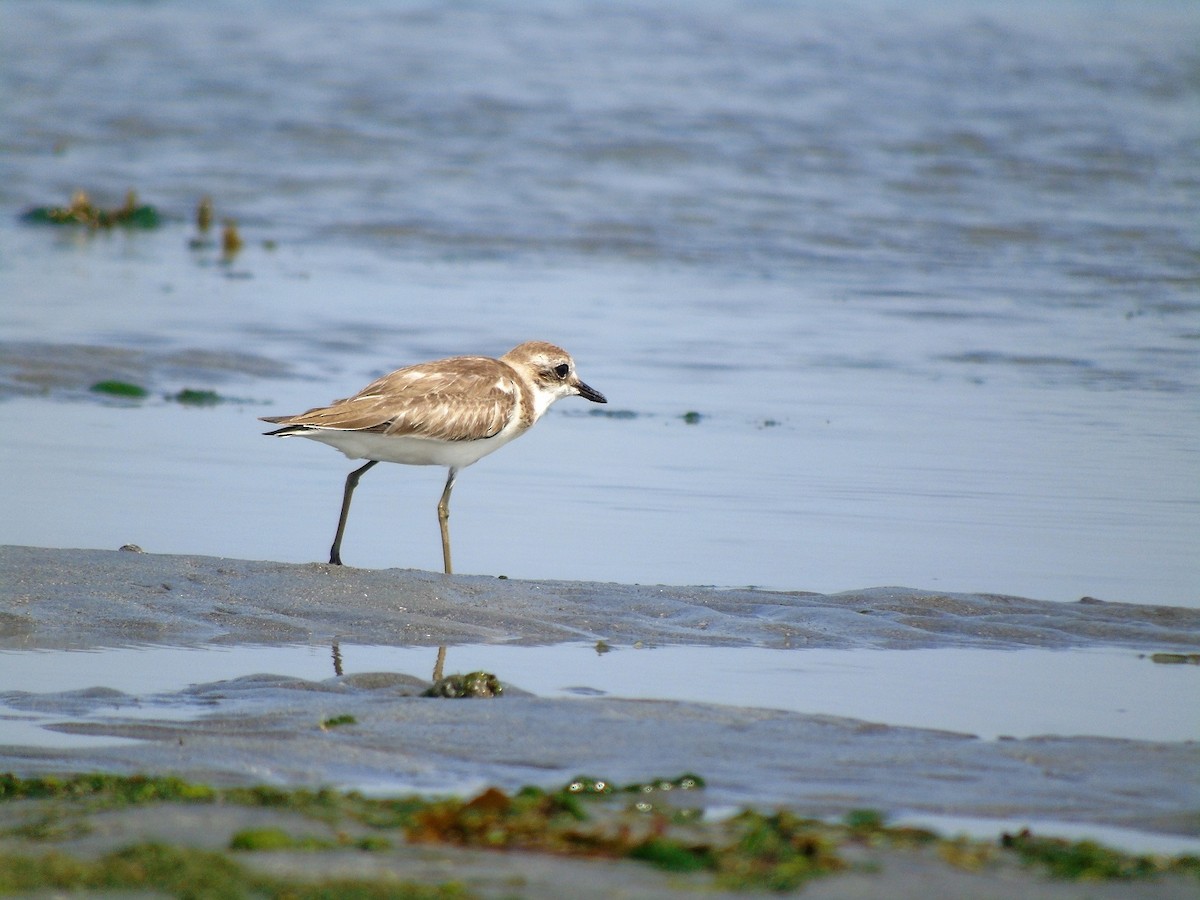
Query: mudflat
{"points": [[268, 728]]}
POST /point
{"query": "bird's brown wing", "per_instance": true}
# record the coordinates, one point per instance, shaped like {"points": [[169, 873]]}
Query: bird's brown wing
{"points": [[457, 399]]}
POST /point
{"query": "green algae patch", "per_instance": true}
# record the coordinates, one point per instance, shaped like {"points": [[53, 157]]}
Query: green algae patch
{"points": [[969, 855], [107, 790], [190, 873], [82, 211], [869, 826], [201, 397], [1089, 861], [751, 851], [529, 820], [275, 839], [114, 388], [1176, 659], [183, 873], [337, 722], [777, 852], [193, 397], [671, 856]]}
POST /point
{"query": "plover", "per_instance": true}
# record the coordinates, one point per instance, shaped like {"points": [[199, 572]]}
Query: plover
{"points": [[450, 412]]}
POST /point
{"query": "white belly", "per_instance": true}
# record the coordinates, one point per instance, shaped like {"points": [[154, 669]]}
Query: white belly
{"points": [[411, 451]]}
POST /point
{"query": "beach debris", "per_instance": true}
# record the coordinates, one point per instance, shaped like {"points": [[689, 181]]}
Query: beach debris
{"points": [[204, 214], [460, 687], [231, 240], [1176, 659]]}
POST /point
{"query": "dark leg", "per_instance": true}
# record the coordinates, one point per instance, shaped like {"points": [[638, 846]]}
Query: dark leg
{"points": [[444, 518], [335, 552]]}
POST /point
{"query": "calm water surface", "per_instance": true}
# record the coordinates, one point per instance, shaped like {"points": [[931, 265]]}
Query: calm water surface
{"points": [[930, 275], [989, 693]]}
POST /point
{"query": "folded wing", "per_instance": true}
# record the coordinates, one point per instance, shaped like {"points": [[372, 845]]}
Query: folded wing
{"points": [[459, 399]]}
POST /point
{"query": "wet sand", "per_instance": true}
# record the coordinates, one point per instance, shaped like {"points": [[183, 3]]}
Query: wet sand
{"points": [[93, 598], [265, 728]]}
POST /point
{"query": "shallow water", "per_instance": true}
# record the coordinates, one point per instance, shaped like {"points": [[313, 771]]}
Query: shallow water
{"points": [[928, 274], [988, 693]]}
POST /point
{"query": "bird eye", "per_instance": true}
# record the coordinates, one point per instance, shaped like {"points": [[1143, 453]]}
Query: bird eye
{"points": [[561, 370]]}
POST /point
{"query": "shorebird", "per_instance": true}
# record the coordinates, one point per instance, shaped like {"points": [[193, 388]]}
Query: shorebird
{"points": [[450, 412]]}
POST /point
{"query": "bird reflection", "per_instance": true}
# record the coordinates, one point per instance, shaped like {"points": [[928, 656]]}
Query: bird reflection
{"points": [[439, 665]]}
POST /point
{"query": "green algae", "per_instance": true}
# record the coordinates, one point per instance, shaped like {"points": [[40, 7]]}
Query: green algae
{"points": [[269, 839], [82, 211], [864, 820], [109, 790], [194, 397], [1176, 659], [115, 388], [187, 397], [671, 856], [869, 826], [180, 872], [338, 721], [275, 839], [192, 875], [587, 818], [1088, 860], [777, 852], [50, 826]]}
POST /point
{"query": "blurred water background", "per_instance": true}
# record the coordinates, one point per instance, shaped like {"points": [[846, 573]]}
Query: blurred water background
{"points": [[880, 293]]}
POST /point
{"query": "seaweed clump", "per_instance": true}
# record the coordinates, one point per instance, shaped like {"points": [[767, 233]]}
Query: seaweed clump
{"points": [[750, 851], [1089, 861], [117, 388], [461, 687], [82, 211]]}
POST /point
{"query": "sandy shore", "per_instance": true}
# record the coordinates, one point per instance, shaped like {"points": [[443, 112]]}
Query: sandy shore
{"points": [[264, 729], [88, 598]]}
